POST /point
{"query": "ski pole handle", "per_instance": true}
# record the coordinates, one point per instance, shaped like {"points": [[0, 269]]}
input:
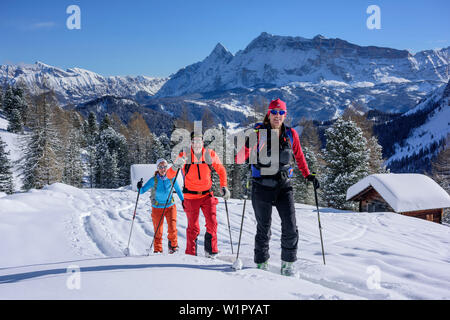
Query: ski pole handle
{"points": [[139, 193]]}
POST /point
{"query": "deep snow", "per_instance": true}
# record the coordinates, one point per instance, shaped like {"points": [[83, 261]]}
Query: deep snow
{"points": [[45, 234]]}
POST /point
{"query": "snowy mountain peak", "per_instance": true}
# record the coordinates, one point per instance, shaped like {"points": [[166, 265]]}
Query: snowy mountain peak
{"points": [[220, 53], [319, 36], [48, 70], [42, 65], [263, 37]]}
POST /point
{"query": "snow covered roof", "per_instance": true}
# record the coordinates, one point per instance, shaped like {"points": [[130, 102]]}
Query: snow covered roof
{"points": [[404, 191]]}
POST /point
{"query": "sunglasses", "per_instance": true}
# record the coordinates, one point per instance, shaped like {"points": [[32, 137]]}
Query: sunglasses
{"points": [[162, 167], [275, 112]]}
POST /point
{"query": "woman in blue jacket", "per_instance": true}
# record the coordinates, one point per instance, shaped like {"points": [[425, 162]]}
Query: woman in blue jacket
{"points": [[161, 186]]}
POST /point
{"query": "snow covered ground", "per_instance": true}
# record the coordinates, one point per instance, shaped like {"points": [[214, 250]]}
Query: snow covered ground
{"points": [[66, 243]]}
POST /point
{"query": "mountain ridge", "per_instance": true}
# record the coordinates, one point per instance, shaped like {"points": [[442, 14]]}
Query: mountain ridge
{"points": [[76, 85], [281, 60], [318, 78]]}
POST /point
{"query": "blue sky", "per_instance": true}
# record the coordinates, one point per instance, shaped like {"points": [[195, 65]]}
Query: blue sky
{"points": [[156, 38]]}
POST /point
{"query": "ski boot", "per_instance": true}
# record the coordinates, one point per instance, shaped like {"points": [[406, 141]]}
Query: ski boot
{"points": [[288, 269], [172, 249], [263, 266], [211, 255]]}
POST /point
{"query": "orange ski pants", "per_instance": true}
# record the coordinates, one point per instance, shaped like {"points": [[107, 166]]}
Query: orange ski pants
{"points": [[171, 217]]}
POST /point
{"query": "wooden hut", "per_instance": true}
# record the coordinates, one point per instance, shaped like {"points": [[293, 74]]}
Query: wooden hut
{"points": [[414, 195]]}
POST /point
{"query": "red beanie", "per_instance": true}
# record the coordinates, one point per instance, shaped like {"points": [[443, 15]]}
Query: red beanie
{"points": [[277, 104]]}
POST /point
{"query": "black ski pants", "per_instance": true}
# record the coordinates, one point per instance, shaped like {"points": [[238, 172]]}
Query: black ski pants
{"points": [[263, 198]]}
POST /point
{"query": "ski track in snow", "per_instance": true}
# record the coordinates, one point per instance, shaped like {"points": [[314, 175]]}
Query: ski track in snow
{"points": [[412, 255]]}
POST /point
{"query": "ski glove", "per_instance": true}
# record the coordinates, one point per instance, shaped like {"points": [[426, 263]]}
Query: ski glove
{"points": [[225, 193], [312, 178], [139, 184], [179, 163]]}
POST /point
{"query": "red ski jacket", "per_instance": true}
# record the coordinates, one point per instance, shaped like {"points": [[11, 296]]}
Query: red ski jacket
{"points": [[245, 152]]}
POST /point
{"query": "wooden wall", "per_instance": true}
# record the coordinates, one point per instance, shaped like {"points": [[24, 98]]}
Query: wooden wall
{"points": [[371, 201], [434, 215]]}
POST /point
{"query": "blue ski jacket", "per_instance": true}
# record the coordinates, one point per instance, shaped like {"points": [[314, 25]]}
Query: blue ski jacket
{"points": [[163, 187]]}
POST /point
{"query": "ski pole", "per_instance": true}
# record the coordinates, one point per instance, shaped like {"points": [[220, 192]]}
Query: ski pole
{"points": [[238, 264], [320, 226], [229, 228], [127, 250], [162, 216]]}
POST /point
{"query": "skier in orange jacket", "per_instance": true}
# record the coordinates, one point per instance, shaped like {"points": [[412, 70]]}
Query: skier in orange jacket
{"points": [[198, 193]]}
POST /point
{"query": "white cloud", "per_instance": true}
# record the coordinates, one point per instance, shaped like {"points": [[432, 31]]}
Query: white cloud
{"points": [[42, 25]]}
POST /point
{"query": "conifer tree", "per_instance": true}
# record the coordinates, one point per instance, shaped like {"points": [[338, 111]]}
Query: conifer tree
{"points": [[14, 106], [303, 190], [90, 139], [376, 161], [106, 123], [110, 170], [41, 164], [356, 113], [347, 161], [1, 98], [15, 124], [111, 147], [441, 172], [154, 149], [311, 146], [6, 180], [73, 165], [139, 138], [165, 141], [8, 102]]}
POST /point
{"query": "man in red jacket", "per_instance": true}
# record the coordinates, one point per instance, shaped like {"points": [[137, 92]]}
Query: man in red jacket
{"points": [[198, 194]]}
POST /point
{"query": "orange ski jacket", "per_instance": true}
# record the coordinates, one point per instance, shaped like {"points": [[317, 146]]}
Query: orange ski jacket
{"points": [[198, 181]]}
